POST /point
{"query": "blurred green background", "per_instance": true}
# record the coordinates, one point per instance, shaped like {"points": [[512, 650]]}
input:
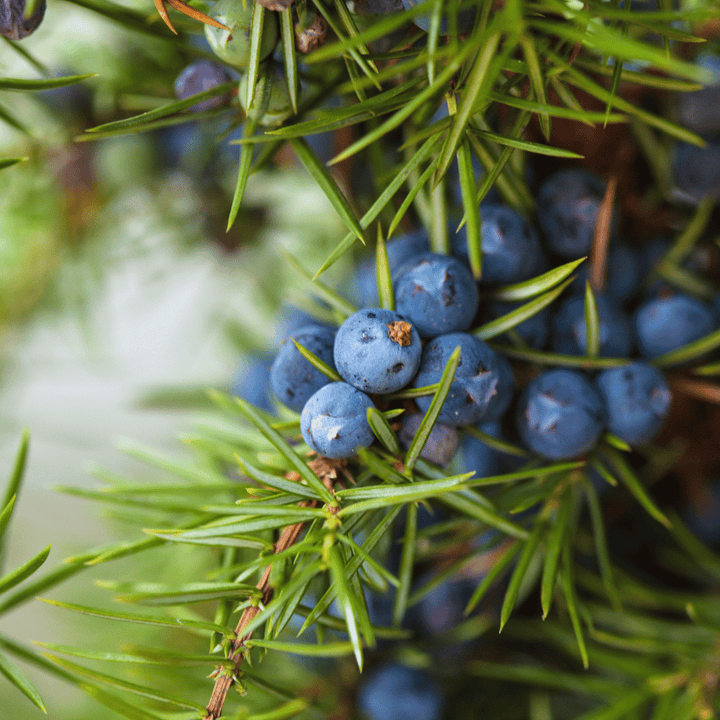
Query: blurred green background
{"points": [[116, 279]]}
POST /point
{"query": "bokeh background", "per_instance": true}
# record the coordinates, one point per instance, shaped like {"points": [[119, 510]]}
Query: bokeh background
{"points": [[123, 297]]}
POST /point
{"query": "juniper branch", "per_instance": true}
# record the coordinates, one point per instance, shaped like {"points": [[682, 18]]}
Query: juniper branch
{"points": [[327, 471]]}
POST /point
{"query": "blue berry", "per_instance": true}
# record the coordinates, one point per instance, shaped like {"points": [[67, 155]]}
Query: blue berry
{"points": [[399, 250], [569, 332], [292, 318], [700, 110], [696, 171], [234, 47], [534, 331], [567, 208], [479, 457], [252, 383], [443, 608], [377, 351], [483, 384], [18, 18], [334, 421], [292, 377], [622, 275], [441, 445], [511, 249], [396, 692], [698, 260], [703, 512], [378, 7], [560, 415], [667, 323], [465, 18], [323, 144], [197, 77], [437, 294], [637, 399]]}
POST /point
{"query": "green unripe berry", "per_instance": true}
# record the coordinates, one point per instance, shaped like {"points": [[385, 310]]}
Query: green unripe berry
{"points": [[234, 47], [271, 104]]}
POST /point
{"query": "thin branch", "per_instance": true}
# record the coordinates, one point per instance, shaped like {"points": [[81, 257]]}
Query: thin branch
{"points": [[327, 470], [696, 388], [601, 239]]}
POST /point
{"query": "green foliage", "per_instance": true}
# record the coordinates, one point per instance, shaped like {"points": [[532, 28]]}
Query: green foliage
{"points": [[284, 535], [15, 577]]}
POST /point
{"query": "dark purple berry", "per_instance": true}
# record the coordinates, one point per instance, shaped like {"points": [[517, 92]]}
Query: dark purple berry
{"points": [[441, 445], [465, 18], [19, 18], [198, 77]]}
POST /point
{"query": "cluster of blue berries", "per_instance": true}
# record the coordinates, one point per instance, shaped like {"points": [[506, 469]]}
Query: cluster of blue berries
{"points": [[378, 352], [696, 170], [561, 413]]}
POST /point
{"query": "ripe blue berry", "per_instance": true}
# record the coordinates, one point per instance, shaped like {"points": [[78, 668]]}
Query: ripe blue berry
{"points": [[465, 18], [481, 458], [443, 607], [483, 384], [396, 692], [437, 294], [292, 318], [560, 415], [292, 377], [622, 276], [667, 323], [703, 511], [377, 351], [569, 331], [696, 171], [534, 331], [334, 421], [399, 250], [197, 77], [699, 111], [511, 249], [18, 18], [637, 399], [378, 7], [441, 445], [568, 204], [252, 383], [234, 47]]}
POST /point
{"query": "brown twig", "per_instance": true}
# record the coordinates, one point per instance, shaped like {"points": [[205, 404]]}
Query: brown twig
{"points": [[601, 239], [225, 680], [699, 389], [327, 470]]}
